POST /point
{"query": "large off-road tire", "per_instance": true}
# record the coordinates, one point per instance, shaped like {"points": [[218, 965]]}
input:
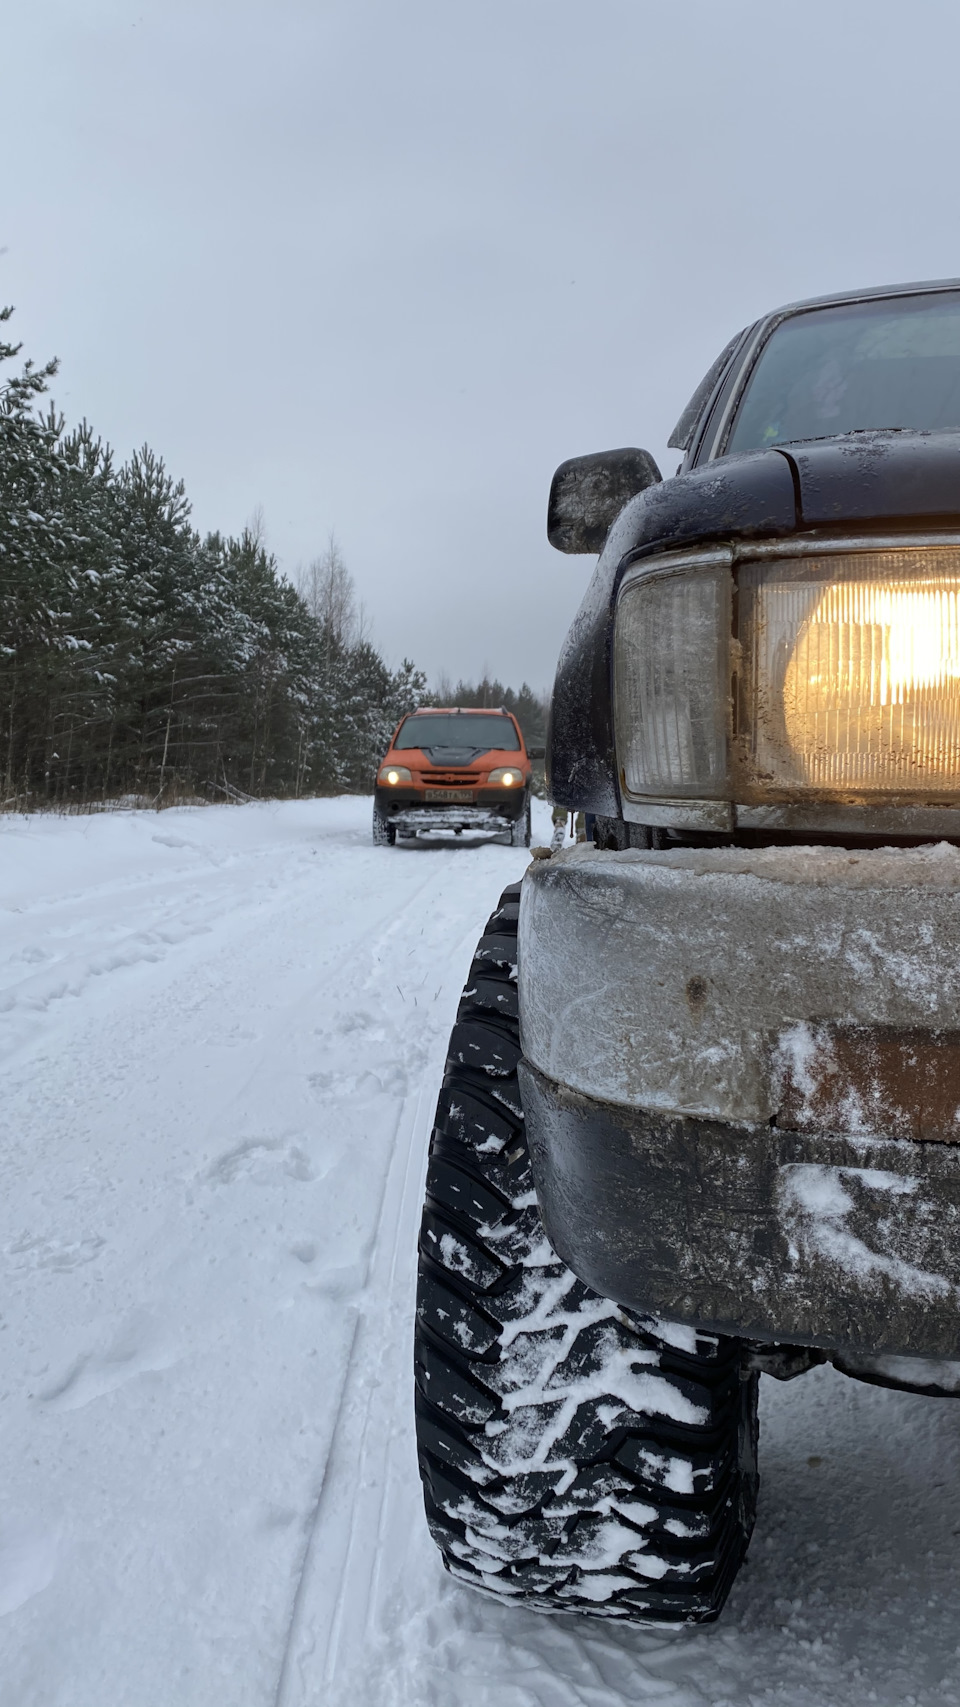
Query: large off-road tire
{"points": [[521, 831], [574, 1457], [384, 833]]}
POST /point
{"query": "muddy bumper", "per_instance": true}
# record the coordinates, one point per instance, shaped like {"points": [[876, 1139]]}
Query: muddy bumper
{"points": [[742, 1088]]}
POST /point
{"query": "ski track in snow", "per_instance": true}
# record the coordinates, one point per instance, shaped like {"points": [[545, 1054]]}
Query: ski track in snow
{"points": [[221, 1036]]}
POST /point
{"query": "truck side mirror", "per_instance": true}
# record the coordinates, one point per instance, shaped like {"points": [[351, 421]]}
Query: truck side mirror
{"points": [[536, 752], [588, 492]]}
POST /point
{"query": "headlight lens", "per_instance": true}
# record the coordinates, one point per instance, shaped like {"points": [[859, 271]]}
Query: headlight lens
{"points": [[393, 774], [671, 675], [852, 672], [834, 675], [507, 776]]}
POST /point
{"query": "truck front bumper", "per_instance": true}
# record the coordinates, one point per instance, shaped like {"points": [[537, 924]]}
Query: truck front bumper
{"points": [[742, 1088]]}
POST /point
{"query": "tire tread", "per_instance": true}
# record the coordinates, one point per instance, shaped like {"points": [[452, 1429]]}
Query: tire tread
{"points": [[636, 1498]]}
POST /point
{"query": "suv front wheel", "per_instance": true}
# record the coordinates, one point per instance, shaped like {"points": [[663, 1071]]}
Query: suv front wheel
{"points": [[521, 831], [384, 833]]}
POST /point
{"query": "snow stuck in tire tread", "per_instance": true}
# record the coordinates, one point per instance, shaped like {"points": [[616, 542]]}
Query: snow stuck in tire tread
{"points": [[571, 1455]]}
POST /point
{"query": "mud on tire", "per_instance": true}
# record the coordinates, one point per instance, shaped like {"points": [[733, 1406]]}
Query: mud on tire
{"points": [[573, 1457]]}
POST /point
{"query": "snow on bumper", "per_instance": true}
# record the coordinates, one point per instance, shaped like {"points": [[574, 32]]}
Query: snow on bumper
{"points": [[417, 818], [730, 1057], [738, 985]]}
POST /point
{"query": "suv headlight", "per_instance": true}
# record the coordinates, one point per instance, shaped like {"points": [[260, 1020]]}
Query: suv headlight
{"points": [[393, 774], [507, 775], [834, 675]]}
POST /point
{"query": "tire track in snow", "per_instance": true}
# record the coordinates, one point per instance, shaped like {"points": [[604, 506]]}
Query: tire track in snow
{"points": [[330, 972], [313, 1521], [70, 961], [348, 1459], [338, 1590], [119, 926], [402, 1149], [134, 920]]}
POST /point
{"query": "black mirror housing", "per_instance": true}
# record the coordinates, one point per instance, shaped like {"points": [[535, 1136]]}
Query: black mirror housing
{"points": [[536, 752], [588, 492]]}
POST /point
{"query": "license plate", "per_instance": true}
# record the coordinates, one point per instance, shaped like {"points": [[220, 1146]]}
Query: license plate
{"points": [[449, 793]]}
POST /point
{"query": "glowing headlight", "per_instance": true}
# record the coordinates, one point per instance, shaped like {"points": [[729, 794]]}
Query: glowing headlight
{"points": [[506, 776], [394, 774], [834, 675], [864, 659]]}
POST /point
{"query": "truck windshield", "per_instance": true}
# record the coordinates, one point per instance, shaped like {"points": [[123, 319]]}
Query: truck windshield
{"points": [[892, 363], [458, 729]]}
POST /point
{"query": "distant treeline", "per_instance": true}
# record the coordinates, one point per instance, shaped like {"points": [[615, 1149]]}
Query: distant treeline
{"points": [[529, 708], [139, 659]]}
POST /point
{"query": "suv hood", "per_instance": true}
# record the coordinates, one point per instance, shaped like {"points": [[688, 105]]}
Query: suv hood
{"points": [[453, 755]]}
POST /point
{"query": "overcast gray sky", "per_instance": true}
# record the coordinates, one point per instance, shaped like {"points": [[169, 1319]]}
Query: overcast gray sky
{"points": [[379, 265]]}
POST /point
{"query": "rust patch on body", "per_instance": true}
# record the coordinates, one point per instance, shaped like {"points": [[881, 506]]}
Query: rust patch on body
{"points": [[879, 1081]]}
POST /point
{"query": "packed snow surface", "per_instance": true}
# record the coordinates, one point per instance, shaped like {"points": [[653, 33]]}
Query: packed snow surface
{"points": [[222, 1032]]}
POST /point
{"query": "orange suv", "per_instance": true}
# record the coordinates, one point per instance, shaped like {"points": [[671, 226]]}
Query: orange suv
{"points": [[455, 768]]}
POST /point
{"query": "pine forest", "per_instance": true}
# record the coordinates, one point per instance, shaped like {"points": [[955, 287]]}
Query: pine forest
{"points": [[140, 661]]}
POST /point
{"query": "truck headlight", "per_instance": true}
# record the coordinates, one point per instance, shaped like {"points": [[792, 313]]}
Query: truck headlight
{"points": [[852, 675], [393, 774], [507, 776], [834, 675]]}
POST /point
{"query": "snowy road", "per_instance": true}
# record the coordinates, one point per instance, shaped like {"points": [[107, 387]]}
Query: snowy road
{"points": [[221, 1033]]}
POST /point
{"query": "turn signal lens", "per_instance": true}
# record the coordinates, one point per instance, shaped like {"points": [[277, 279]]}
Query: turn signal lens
{"points": [[507, 776], [853, 672], [671, 683], [394, 774]]}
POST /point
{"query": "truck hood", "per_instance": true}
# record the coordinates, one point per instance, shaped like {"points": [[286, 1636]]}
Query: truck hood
{"points": [[875, 477], [858, 478]]}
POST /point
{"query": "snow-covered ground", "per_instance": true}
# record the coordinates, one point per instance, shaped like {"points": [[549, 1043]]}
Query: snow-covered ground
{"points": [[221, 1033]]}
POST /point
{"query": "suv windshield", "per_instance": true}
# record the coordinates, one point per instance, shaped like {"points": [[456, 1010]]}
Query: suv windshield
{"points": [[891, 363], [458, 729]]}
